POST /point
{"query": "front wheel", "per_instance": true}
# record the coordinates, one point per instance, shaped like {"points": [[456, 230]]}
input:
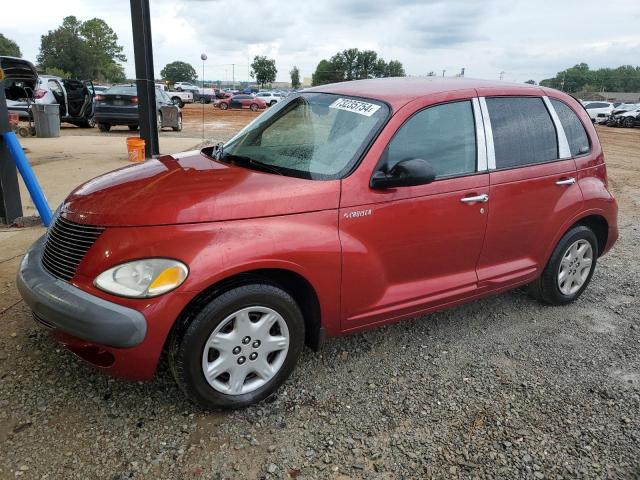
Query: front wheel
{"points": [[177, 101], [628, 122], [223, 106], [570, 268], [239, 348], [254, 107]]}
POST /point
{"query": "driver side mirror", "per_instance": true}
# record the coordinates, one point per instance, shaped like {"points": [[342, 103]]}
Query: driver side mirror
{"points": [[405, 173]]}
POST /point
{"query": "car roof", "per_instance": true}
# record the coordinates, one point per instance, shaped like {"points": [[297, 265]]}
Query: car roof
{"points": [[398, 91]]}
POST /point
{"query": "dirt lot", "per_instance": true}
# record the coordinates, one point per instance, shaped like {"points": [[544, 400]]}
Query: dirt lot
{"points": [[500, 388], [219, 125]]}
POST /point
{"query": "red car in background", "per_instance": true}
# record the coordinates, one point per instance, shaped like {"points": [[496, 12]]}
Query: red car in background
{"points": [[242, 101]]}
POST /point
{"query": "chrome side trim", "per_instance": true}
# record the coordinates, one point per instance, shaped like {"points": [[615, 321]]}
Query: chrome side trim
{"points": [[480, 136], [563, 145], [488, 133]]}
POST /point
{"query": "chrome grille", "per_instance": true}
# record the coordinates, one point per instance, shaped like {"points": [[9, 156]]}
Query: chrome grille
{"points": [[66, 245]]}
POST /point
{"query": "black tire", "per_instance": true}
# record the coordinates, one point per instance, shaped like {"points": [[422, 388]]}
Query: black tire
{"points": [[178, 128], [273, 102], [203, 100], [545, 288], [628, 122], [223, 106], [254, 107], [104, 127], [133, 128], [187, 344], [177, 101]]}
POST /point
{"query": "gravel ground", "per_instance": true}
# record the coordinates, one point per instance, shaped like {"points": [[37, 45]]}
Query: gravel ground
{"points": [[499, 388]]}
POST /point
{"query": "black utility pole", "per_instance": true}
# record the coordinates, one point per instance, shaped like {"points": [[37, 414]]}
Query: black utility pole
{"points": [[145, 77], [10, 204]]}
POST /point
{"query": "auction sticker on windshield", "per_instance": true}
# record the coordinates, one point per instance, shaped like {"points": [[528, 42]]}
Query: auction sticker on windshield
{"points": [[355, 106]]}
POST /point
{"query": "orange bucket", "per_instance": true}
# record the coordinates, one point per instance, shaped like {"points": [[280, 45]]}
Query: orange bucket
{"points": [[135, 147]]}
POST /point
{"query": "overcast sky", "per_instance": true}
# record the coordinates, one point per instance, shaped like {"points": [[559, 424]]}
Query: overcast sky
{"points": [[524, 39]]}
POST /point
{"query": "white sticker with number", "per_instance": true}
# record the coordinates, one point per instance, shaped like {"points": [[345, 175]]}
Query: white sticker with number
{"points": [[355, 106]]}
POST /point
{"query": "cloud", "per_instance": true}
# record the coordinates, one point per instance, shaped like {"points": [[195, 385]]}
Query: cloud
{"points": [[524, 39]]}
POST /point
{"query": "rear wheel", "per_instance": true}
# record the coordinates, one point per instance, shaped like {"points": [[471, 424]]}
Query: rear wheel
{"points": [[177, 101], [273, 102], [104, 127], [239, 348], [203, 100], [254, 107], [178, 127], [570, 268], [224, 106], [628, 122]]}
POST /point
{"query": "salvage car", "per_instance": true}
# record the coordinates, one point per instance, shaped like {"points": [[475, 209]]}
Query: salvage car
{"points": [[629, 118], [598, 111], [241, 101], [341, 208], [118, 105]]}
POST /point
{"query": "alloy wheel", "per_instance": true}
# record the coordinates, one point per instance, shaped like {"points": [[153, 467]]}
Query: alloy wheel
{"points": [[246, 350], [575, 267]]}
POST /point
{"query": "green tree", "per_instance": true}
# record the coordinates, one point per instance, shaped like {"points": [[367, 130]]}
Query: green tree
{"points": [[395, 69], [8, 47], [178, 72], [103, 50], [580, 78], [353, 64], [531, 82], [263, 69], [295, 78], [83, 49]]}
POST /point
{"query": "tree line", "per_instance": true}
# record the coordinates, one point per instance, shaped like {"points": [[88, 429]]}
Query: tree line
{"points": [[354, 64], [580, 78]]}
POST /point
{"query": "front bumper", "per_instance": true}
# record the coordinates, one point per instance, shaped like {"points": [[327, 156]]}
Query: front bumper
{"points": [[73, 311]]}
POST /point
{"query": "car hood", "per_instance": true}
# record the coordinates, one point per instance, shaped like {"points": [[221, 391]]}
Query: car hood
{"points": [[191, 188]]}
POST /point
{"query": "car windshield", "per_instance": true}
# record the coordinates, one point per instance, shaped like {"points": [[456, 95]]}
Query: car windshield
{"points": [[317, 136]]}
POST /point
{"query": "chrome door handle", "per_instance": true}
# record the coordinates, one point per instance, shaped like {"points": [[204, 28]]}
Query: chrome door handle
{"points": [[478, 198], [566, 181]]}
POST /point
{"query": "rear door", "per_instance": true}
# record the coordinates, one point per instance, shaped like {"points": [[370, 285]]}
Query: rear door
{"points": [[533, 188]]}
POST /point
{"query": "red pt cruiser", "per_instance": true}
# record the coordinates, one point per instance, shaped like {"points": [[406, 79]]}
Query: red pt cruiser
{"points": [[341, 208]]}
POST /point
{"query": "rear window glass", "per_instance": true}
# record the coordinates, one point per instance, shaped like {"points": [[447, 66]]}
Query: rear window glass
{"points": [[122, 90], [523, 132], [573, 128]]}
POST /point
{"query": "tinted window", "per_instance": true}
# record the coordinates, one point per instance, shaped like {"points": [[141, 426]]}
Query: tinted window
{"points": [[444, 135], [573, 128], [523, 132], [122, 90]]}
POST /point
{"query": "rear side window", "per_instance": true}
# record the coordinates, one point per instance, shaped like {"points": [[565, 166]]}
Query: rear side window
{"points": [[523, 132], [573, 128], [444, 135]]}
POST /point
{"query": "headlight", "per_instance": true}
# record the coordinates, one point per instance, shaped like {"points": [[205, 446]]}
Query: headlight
{"points": [[145, 278]]}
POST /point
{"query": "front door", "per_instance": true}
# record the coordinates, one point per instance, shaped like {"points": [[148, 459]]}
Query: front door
{"points": [[409, 249]]}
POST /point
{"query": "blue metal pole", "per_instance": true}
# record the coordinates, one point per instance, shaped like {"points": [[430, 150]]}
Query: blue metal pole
{"points": [[28, 176]]}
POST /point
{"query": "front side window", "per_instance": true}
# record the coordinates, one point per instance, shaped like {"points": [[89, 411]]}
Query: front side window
{"points": [[318, 136], [523, 131], [444, 135], [573, 128]]}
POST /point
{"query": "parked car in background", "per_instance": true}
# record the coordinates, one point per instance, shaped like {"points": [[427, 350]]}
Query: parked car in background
{"points": [[75, 98], [629, 118], [598, 111], [178, 98], [118, 105], [20, 83], [269, 98], [204, 96], [350, 207], [185, 87], [241, 101]]}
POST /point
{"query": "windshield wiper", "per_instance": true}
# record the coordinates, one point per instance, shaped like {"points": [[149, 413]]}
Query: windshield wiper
{"points": [[248, 161]]}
